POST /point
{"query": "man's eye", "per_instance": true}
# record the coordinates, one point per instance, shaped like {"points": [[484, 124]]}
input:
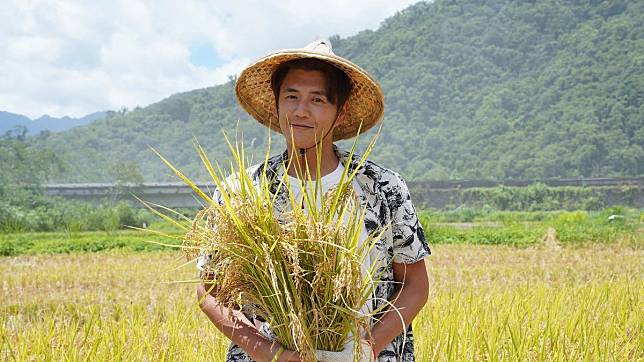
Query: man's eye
{"points": [[290, 96], [318, 100]]}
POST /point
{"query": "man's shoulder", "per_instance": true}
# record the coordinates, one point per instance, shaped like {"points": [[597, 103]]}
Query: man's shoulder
{"points": [[378, 173], [271, 165], [383, 173]]}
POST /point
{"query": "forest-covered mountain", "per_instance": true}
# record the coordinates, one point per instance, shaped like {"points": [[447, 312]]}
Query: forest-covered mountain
{"points": [[9, 121], [488, 90]]}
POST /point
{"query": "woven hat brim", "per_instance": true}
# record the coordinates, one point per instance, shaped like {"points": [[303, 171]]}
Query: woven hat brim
{"points": [[365, 104]]}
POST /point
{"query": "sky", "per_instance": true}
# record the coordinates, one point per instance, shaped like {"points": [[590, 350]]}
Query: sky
{"points": [[72, 58]]}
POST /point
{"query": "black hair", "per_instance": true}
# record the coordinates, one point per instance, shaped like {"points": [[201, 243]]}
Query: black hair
{"points": [[338, 86]]}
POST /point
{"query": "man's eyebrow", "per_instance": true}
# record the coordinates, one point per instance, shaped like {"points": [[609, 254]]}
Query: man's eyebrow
{"points": [[293, 90]]}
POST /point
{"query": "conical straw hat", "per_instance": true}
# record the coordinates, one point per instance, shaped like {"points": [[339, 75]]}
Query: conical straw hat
{"points": [[365, 103]]}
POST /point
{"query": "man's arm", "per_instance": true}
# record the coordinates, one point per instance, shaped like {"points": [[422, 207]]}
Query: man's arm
{"points": [[240, 330], [408, 300]]}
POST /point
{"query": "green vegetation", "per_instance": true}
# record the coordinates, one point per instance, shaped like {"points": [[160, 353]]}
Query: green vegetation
{"points": [[24, 166], [32, 212], [24, 208], [494, 90], [514, 235], [78, 242], [509, 89], [521, 235], [538, 197], [483, 214], [465, 226], [614, 225]]}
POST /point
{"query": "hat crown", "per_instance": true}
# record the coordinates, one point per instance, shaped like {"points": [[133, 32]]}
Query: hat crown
{"points": [[321, 47]]}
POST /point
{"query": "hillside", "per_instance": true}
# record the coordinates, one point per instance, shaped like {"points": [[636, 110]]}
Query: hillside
{"points": [[497, 90]]}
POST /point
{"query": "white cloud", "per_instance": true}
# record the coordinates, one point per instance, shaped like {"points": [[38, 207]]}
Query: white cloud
{"points": [[73, 58]]}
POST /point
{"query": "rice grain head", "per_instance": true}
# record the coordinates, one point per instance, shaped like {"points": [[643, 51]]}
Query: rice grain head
{"points": [[300, 271]]}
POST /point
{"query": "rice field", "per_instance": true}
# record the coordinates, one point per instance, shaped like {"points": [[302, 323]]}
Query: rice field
{"points": [[494, 303]]}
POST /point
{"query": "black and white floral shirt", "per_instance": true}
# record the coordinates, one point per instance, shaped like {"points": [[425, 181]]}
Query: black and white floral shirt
{"points": [[386, 200]]}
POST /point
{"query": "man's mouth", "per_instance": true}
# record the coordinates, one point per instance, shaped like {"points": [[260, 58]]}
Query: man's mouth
{"points": [[301, 126]]}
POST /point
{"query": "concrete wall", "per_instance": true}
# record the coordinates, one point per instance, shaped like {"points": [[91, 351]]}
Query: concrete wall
{"points": [[167, 194]]}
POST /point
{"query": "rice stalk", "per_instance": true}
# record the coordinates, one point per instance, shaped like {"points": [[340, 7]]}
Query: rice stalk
{"points": [[300, 269]]}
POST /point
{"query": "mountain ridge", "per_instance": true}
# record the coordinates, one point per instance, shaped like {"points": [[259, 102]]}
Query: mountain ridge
{"points": [[9, 121], [494, 90]]}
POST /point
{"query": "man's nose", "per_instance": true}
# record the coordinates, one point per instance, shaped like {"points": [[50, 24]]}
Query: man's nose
{"points": [[301, 109]]}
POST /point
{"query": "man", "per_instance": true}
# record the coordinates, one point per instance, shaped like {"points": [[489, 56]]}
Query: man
{"points": [[313, 97]]}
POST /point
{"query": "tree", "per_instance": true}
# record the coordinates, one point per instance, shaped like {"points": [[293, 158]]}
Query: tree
{"points": [[25, 166]]}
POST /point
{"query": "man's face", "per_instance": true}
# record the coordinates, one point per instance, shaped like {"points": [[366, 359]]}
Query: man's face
{"points": [[305, 113]]}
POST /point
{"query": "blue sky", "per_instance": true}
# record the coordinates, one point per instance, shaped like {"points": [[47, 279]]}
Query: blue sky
{"points": [[205, 55], [76, 57]]}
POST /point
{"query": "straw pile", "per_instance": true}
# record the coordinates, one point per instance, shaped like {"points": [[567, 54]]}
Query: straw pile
{"points": [[300, 270]]}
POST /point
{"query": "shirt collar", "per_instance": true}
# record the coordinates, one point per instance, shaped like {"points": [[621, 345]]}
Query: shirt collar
{"points": [[365, 177], [352, 163]]}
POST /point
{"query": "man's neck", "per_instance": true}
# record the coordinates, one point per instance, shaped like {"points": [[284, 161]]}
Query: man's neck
{"points": [[328, 162]]}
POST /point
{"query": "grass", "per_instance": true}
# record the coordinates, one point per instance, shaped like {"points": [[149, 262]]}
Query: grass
{"points": [[529, 228], [75, 242], [486, 213], [486, 303]]}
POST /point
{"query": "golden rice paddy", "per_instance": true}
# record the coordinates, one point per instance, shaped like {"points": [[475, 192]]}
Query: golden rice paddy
{"points": [[486, 303]]}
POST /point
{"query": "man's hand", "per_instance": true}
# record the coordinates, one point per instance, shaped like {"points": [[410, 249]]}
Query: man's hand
{"points": [[288, 356], [207, 285], [347, 354], [234, 325]]}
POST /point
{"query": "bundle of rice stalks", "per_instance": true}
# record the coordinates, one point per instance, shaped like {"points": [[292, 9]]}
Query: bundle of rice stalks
{"points": [[300, 270]]}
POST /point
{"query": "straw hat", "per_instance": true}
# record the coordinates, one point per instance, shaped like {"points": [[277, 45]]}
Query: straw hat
{"points": [[365, 103]]}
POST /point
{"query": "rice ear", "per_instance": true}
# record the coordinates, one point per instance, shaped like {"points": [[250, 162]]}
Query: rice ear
{"points": [[300, 273], [165, 217], [184, 178]]}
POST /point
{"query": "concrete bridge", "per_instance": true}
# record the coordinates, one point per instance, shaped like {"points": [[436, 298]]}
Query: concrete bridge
{"points": [[434, 194]]}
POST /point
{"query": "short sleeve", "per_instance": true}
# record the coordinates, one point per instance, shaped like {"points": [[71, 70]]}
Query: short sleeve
{"points": [[409, 241]]}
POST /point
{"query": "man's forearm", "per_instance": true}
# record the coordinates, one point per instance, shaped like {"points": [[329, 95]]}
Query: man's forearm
{"points": [[406, 303], [237, 328]]}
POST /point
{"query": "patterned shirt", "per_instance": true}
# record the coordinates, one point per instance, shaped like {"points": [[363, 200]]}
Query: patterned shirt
{"points": [[386, 201]]}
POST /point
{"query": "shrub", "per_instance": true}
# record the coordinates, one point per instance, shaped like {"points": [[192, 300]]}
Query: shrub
{"points": [[29, 211]]}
